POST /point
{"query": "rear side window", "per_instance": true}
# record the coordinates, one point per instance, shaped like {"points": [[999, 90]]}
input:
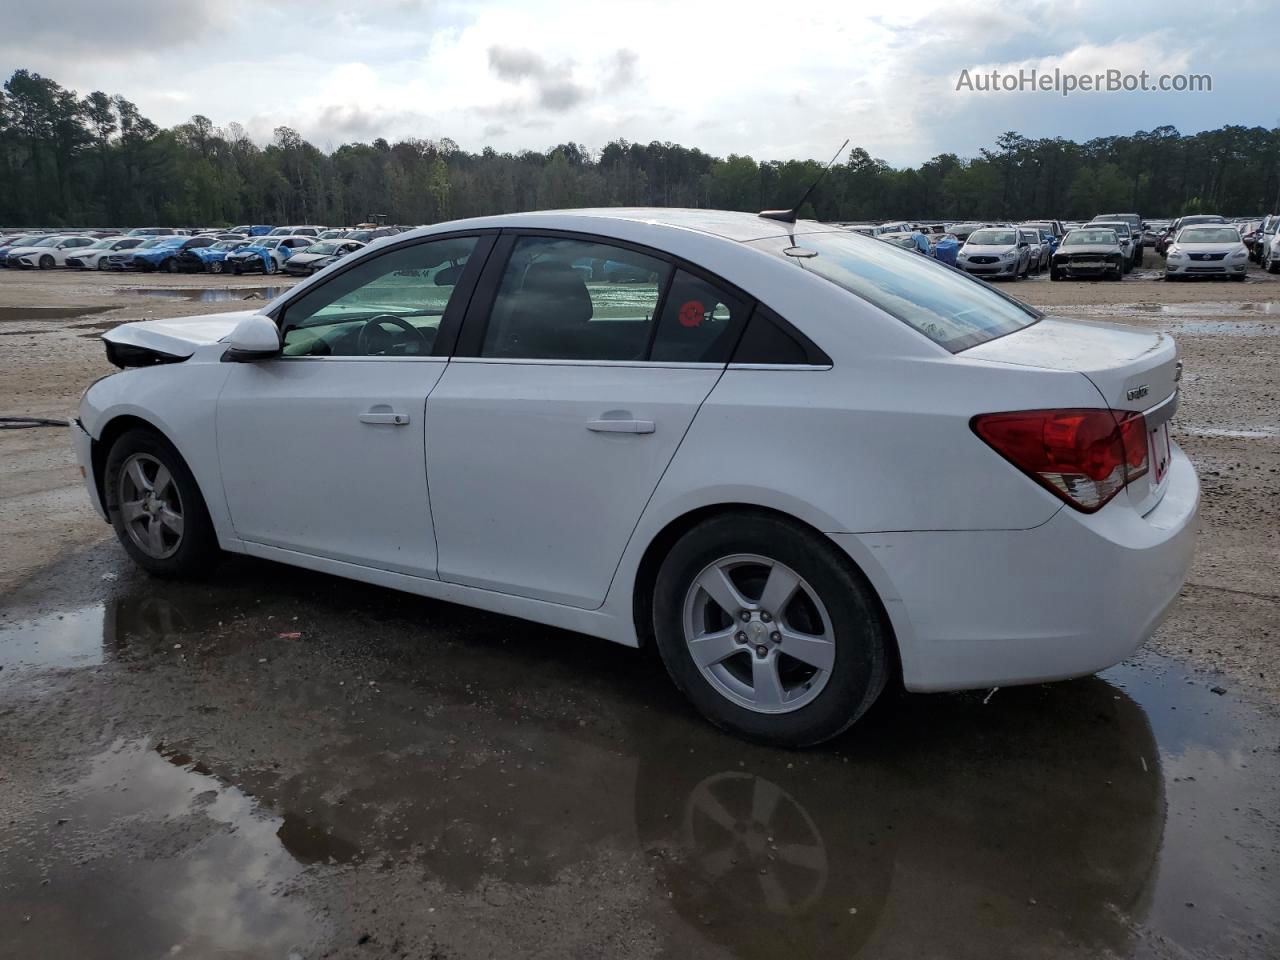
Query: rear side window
{"points": [[565, 299], [699, 322], [952, 309], [770, 339]]}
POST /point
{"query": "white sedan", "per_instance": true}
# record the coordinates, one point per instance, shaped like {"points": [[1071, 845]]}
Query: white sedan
{"points": [[1207, 250], [94, 256], [804, 463], [47, 252]]}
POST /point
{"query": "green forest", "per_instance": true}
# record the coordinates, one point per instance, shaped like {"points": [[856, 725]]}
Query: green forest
{"points": [[94, 160]]}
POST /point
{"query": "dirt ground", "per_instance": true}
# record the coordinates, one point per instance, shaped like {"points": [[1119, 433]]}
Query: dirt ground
{"points": [[280, 764]]}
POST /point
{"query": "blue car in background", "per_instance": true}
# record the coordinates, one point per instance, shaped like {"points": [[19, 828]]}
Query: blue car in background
{"points": [[267, 254], [252, 230], [945, 248], [165, 255], [210, 259]]}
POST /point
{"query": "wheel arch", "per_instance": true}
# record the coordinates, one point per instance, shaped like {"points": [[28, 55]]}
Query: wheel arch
{"points": [[660, 545]]}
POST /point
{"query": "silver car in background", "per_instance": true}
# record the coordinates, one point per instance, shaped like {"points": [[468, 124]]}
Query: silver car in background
{"points": [[996, 252], [1207, 251]]}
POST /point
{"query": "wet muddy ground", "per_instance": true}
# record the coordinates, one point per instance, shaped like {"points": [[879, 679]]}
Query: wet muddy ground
{"points": [[281, 764]]}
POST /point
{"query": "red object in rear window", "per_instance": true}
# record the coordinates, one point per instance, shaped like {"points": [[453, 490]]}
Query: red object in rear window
{"points": [[1083, 456]]}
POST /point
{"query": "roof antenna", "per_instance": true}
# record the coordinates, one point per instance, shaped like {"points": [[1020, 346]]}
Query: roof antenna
{"points": [[789, 216]]}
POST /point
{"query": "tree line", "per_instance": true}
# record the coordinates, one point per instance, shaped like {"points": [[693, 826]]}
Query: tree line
{"points": [[96, 161]]}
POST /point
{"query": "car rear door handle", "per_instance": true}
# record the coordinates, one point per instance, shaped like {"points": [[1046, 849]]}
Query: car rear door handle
{"points": [[395, 419], [620, 426]]}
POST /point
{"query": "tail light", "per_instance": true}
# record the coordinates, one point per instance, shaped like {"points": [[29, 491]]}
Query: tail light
{"points": [[1085, 456]]}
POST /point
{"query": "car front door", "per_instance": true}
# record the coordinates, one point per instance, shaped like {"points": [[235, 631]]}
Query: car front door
{"points": [[323, 449], [580, 368]]}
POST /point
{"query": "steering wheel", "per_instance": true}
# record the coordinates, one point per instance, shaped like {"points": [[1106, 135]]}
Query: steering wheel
{"points": [[373, 323]]}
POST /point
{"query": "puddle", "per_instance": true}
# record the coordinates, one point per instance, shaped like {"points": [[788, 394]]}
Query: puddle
{"points": [[489, 758], [206, 294], [28, 314], [1234, 433], [1201, 309]]}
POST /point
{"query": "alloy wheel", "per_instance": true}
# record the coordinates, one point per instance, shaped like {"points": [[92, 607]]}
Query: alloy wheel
{"points": [[759, 633], [151, 506]]}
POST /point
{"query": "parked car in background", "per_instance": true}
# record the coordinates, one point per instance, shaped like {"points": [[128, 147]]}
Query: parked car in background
{"points": [[165, 256], [945, 248], [46, 252], [1040, 251], [1263, 238], [1054, 228], [961, 231], [1162, 244], [333, 234], [15, 241], [152, 232], [392, 464], [996, 252], [317, 256], [1152, 231], [1135, 231], [370, 235], [1125, 236], [210, 259], [1209, 250], [266, 254], [1089, 252], [299, 231], [93, 257], [252, 229]]}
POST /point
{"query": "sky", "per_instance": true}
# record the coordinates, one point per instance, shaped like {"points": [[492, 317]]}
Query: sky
{"points": [[774, 80]]}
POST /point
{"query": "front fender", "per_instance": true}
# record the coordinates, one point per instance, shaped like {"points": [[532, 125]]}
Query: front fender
{"points": [[178, 400]]}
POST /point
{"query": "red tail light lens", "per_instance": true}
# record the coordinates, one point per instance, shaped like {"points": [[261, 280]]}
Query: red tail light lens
{"points": [[1085, 457]]}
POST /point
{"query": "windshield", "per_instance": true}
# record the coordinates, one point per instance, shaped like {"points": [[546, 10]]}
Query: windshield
{"points": [[101, 244], [992, 238], [1121, 229], [1209, 235], [153, 242], [328, 248], [227, 245], [952, 309], [43, 242], [1080, 238], [24, 241]]}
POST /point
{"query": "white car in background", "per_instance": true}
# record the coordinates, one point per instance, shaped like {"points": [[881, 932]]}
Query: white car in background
{"points": [[802, 462], [1211, 250], [47, 252], [93, 257]]}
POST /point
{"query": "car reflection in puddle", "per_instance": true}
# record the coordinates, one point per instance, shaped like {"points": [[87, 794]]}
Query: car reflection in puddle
{"points": [[1014, 826]]}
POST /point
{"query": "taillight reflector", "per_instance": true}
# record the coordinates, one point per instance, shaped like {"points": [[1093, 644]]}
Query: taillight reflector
{"points": [[1084, 456]]}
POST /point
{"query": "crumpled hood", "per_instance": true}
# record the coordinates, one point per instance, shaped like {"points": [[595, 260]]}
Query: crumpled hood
{"points": [[179, 336]]}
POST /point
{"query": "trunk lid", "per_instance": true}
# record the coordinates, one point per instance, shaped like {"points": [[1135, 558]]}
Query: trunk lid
{"points": [[176, 337], [1133, 370]]}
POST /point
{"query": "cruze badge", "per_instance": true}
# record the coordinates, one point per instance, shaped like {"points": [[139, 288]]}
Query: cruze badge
{"points": [[1137, 393]]}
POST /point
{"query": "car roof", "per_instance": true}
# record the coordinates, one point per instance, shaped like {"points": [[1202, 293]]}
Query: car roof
{"points": [[727, 224]]}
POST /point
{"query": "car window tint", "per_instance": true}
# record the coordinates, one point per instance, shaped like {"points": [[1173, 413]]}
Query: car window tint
{"points": [[769, 339], [699, 323], [951, 309], [389, 305], [562, 299]]}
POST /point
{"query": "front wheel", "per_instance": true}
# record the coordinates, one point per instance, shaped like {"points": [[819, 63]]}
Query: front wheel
{"points": [[170, 265], [1055, 273], [769, 629], [215, 266], [269, 266], [156, 507], [46, 262]]}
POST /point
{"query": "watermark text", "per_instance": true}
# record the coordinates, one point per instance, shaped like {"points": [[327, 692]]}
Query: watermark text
{"points": [[1029, 79]]}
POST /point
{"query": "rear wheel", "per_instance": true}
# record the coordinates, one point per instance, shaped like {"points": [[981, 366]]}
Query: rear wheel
{"points": [[156, 507], [769, 629]]}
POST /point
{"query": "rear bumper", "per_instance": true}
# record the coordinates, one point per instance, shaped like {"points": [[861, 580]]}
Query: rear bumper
{"points": [[1080, 592]]}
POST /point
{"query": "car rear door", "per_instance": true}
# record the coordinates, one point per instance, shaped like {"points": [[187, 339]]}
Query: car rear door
{"points": [[580, 367]]}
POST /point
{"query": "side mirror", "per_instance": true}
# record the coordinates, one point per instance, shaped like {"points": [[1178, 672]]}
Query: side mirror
{"points": [[254, 338]]}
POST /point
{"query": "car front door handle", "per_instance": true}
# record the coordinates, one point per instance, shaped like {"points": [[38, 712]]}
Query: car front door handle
{"points": [[605, 425], [395, 419]]}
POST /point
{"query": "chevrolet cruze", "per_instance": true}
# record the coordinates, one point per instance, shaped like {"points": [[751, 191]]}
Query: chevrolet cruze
{"points": [[800, 462]]}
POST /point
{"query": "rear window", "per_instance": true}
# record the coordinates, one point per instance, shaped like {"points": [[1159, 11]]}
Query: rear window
{"points": [[949, 307]]}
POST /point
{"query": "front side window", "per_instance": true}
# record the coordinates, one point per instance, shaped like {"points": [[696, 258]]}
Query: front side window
{"points": [[389, 305], [951, 309], [564, 299]]}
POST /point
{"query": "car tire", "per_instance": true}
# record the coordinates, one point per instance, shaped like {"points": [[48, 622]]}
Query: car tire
{"points": [[215, 266], [170, 265], [832, 615], [46, 262], [269, 266], [102, 263], [1238, 277], [148, 485], [1054, 273]]}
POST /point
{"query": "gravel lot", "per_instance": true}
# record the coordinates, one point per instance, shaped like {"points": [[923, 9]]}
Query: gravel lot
{"points": [[278, 763]]}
